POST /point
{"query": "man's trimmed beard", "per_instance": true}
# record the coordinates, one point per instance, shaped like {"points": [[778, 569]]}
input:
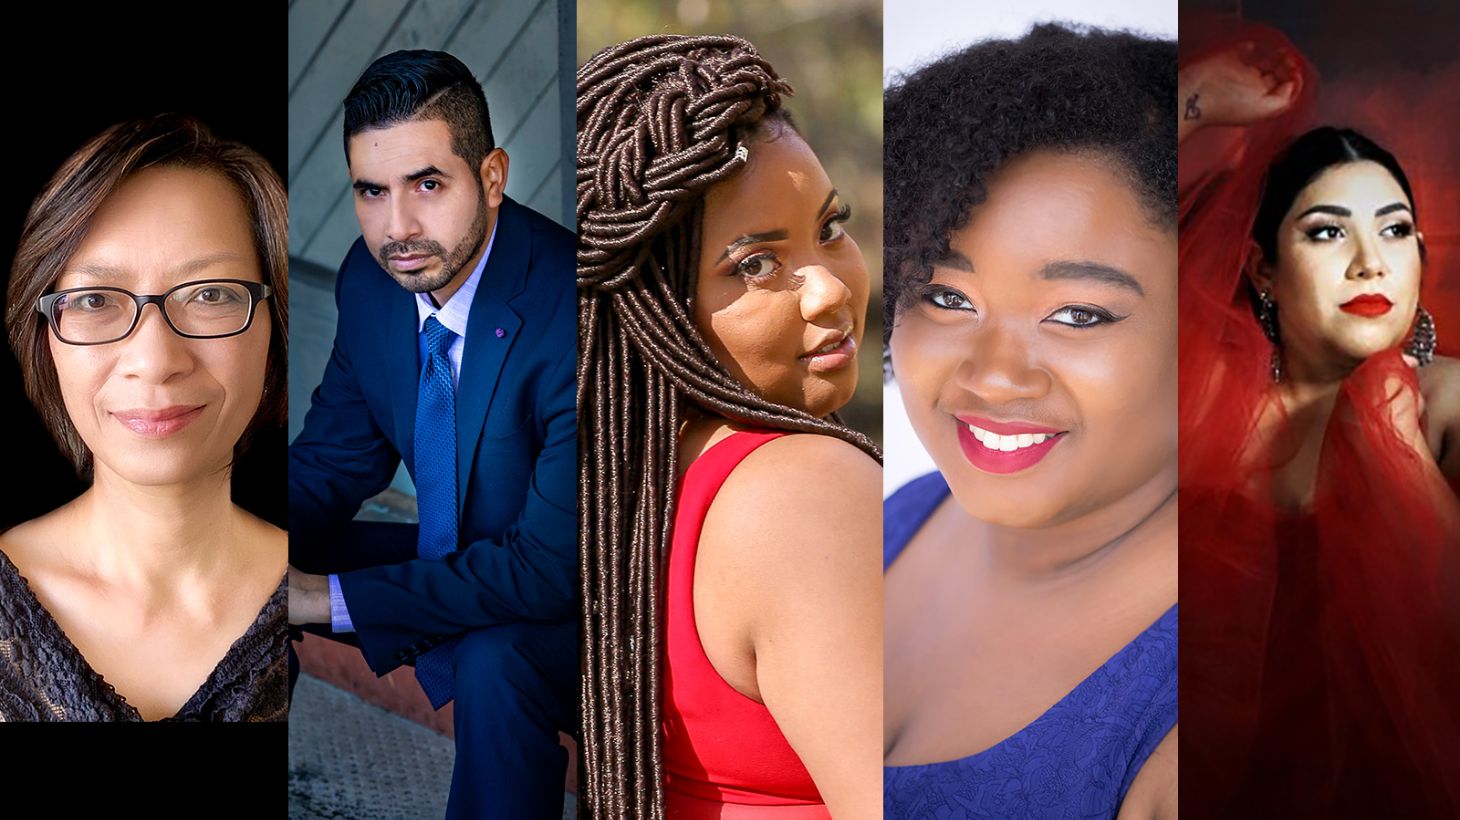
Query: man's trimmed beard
{"points": [[451, 263]]}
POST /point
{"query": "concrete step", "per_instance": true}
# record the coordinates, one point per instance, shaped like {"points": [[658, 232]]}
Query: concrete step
{"points": [[351, 759]]}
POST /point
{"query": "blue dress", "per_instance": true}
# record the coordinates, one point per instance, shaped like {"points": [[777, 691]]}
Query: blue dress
{"points": [[1074, 761]]}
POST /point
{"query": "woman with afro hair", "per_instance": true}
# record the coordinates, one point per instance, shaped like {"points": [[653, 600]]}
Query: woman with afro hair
{"points": [[1030, 584]]}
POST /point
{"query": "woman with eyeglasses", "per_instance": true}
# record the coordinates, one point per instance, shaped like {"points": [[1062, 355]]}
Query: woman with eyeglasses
{"points": [[147, 308]]}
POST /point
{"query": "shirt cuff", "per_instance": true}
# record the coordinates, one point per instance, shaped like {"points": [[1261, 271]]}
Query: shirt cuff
{"points": [[339, 613]]}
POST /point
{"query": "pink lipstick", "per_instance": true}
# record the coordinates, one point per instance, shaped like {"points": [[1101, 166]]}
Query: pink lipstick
{"points": [[1003, 447], [159, 422]]}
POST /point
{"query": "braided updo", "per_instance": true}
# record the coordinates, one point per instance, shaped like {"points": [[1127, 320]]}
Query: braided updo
{"points": [[660, 120]]}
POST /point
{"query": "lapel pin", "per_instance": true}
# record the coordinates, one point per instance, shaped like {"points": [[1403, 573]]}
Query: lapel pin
{"points": [[501, 333]]}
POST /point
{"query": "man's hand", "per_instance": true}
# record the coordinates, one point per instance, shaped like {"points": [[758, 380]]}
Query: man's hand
{"points": [[309, 598]]}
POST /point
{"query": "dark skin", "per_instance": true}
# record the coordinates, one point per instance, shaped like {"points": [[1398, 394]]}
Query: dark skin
{"points": [[787, 578], [1020, 585]]}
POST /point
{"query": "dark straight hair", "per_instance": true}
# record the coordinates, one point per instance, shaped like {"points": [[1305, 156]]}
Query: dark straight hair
{"points": [[63, 212], [405, 86]]}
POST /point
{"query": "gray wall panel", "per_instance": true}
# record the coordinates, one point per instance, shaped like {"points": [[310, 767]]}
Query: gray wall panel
{"points": [[522, 52]]}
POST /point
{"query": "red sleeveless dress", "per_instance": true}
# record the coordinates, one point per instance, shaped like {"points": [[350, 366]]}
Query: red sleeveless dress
{"points": [[724, 755]]}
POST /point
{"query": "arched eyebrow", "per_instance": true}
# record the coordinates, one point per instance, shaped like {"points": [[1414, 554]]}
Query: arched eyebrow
{"points": [[1095, 271], [1331, 210], [115, 272], [770, 236], [826, 203], [429, 171], [1062, 269], [1339, 210], [751, 239], [956, 261]]}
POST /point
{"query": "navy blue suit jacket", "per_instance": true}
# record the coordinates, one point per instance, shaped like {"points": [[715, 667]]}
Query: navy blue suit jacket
{"points": [[516, 439]]}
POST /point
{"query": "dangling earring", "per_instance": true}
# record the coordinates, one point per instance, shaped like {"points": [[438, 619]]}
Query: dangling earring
{"points": [[1267, 317], [886, 363], [1421, 344]]}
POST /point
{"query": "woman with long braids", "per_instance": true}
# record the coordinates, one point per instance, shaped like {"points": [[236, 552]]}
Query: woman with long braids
{"points": [[731, 620]]}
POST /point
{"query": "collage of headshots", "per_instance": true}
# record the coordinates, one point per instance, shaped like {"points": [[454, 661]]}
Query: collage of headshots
{"points": [[772, 410]]}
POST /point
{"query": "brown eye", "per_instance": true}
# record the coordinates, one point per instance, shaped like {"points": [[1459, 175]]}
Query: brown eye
{"points": [[758, 266], [87, 302], [835, 227], [948, 299], [1083, 316]]}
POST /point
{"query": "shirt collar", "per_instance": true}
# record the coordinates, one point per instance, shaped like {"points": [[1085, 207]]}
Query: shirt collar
{"points": [[454, 313]]}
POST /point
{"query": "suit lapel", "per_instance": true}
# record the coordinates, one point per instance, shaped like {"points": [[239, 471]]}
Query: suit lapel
{"points": [[491, 330], [403, 368]]}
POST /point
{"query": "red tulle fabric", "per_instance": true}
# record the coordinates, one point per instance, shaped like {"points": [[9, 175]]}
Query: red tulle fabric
{"points": [[1320, 649]]}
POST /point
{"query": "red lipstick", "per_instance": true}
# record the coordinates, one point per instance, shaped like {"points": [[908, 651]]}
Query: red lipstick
{"points": [[1367, 305], [1003, 447]]}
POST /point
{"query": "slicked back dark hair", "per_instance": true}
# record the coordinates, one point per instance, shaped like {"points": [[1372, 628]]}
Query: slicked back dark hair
{"points": [[950, 126], [1302, 162], [406, 86]]}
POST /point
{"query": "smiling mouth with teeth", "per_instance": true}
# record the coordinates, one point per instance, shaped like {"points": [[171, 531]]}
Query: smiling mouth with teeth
{"points": [[1008, 444]]}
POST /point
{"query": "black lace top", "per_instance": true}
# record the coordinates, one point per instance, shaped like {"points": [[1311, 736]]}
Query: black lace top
{"points": [[43, 676]]}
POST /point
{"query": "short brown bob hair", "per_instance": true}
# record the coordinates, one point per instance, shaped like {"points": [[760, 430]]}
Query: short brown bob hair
{"points": [[61, 215]]}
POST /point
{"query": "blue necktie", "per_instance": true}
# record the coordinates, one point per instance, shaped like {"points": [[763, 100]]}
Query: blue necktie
{"points": [[435, 478]]}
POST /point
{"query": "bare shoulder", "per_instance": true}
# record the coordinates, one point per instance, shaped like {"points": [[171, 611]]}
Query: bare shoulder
{"points": [[800, 512], [266, 545], [29, 543], [805, 453], [790, 559], [1153, 793], [265, 534], [799, 491], [1440, 383]]}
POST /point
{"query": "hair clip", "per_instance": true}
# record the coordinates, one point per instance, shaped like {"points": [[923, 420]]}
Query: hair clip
{"points": [[742, 153]]}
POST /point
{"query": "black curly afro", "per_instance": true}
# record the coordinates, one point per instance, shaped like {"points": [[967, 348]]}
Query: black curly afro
{"points": [[952, 124]]}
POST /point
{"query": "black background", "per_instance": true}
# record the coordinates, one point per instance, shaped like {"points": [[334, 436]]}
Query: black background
{"points": [[67, 72], [68, 82]]}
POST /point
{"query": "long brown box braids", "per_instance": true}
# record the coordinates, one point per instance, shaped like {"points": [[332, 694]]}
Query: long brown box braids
{"points": [[659, 120]]}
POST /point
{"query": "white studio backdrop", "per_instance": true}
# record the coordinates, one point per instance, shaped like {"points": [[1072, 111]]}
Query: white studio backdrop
{"points": [[916, 32]]}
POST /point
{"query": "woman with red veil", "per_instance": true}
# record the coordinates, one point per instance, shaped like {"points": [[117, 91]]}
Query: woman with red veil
{"points": [[1320, 456]]}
